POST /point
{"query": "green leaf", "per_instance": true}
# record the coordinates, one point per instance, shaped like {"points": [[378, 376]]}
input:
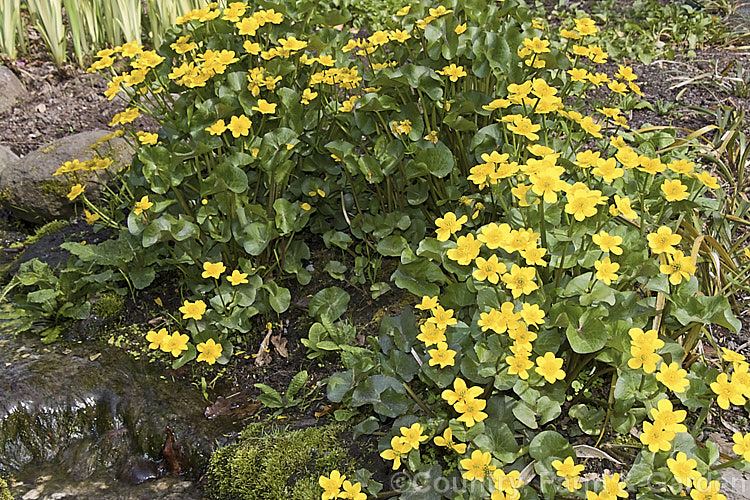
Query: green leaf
{"points": [[297, 383], [231, 177], [331, 302], [287, 216], [269, 396], [589, 419], [278, 297], [550, 444], [338, 385], [142, 277], [43, 295], [439, 159], [392, 245], [525, 415]]}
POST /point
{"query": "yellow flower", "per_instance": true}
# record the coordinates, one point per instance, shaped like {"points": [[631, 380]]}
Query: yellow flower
{"points": [[75, 192], [524, 127], [489, 269], [209, 351], [656, 437], [399, 449], [678, 267], [707, 180], [265, 107], [520, 365], [217, 128], [446, 440], [442, 317], [141, 206], [193, 310], [460, 392], [674, 190], [467, 249], [683, 469], [126, 116], [670, 420], [237, 278], [147, 138], [536, 45], [742, 445], [663, 240], [550, 367], [175, 344], [622, 207], [643, 357], [91, 218], [331, 485], [156, 339], [727, 392], [428, 303], [403, 11], [567, 468], [442, 355], [413, 435], [608, 170], [478, 466], [239, 126], [431, 334], [471, 411], [352, 491], [453, 72], [673, 377], [460, 29], [520, 280], [608, 243], [213, 269], [606, 270]]}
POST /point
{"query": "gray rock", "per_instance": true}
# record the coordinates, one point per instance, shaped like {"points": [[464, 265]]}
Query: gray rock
{"points": [[30, 191], [7, 158], [11, 89], [735, 484]]}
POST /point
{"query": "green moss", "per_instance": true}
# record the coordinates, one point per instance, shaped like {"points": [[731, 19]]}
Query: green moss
{"points": [[50, 228], [4, 490], [269, 464], [109, 305], [55, 188]]}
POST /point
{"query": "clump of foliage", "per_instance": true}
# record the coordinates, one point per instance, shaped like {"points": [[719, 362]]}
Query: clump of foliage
{"points": [[647, 29], [560, 246], [280, 463], [4, 490]]}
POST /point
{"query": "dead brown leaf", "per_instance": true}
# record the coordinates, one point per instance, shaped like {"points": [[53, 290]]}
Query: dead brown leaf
{"points": [[279, 343]]}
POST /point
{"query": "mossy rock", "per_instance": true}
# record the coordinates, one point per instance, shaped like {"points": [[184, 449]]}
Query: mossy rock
{"points": [[268, 464], [29, 190], [4, 490]]}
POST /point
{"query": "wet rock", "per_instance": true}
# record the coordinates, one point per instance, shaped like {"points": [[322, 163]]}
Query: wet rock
{"points": [[11, 89], [29, 190], [735, 484], [7, 158], [139, 470], [86, 415]]}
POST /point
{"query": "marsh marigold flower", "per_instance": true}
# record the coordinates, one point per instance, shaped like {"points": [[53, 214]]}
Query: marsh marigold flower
{"points": [[175, 344], [193, 310], [663, 240], [142, 205], [678, 267], [237, 278], [606, 270], [442, 355], [673, 377], [683, 469], [413, 435], [453, 72], [550, 367], [448, 224], [209, 351], [156, 339], [446, 440], [352, 491], [331, 485], [399, 449], [467, 249], [471, 411], [460, 392], [75, 191], [520, 280], [478, 466], [213, 269], [674, 190]]}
